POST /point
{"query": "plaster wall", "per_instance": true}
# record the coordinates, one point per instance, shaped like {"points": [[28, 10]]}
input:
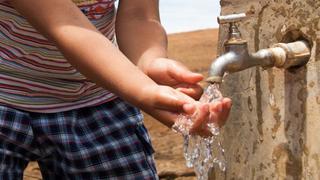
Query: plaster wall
{"points": [[274, 128]]}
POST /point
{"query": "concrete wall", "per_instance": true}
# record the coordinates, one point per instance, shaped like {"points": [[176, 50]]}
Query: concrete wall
{"points": [[274, 128]]}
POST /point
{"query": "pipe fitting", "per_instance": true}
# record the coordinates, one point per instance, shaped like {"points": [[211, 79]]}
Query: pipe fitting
{"points": [[279, 56], [237, 57], [297, 54]]}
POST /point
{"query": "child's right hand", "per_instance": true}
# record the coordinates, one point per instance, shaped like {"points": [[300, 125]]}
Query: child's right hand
{"points": [[166, 104], [216, 113], [163, 98]]}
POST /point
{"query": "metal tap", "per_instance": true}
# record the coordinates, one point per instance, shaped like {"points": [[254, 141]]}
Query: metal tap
{"points": [[237, 58]]}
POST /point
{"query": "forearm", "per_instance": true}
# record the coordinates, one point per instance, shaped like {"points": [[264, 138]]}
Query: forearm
{"points": [[99, 60], [84, 47], [141, 36]]}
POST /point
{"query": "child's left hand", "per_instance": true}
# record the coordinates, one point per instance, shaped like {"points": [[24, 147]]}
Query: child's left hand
{"points": [[172, 73]]}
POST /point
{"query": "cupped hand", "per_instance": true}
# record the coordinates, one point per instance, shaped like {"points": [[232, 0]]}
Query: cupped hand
{"points": [[169, 103], [166, 71], [203, 114]]}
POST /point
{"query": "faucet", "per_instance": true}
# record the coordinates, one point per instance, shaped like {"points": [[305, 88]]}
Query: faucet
{"points": [[237, 58]]}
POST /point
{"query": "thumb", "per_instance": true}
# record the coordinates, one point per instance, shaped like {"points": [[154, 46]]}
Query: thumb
{"points": [[183, 75]]}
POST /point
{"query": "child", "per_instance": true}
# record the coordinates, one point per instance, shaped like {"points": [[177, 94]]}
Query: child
{"points": [[68, 94]]}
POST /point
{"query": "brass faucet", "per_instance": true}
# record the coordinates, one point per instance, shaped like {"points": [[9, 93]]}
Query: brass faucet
{"points": [[237, 58]]}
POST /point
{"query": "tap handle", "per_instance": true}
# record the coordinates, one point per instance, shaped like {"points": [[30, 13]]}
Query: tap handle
{"points": [[234, 33], [232, 18]]}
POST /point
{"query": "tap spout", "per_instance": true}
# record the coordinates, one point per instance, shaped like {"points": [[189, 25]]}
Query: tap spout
{"points": [[237, 58], [220, 66]]}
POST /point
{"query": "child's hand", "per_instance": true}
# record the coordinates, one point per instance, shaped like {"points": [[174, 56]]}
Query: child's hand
{"points": [[172, 73], [216, 112], [162, 98], [201, 113]]}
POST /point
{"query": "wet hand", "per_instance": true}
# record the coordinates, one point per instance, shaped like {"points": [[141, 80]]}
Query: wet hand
{"points": [[203, 114], [165, 71], [163, 98]]}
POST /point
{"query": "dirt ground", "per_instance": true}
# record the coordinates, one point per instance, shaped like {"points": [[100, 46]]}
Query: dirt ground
{"points": [[196, 50]]}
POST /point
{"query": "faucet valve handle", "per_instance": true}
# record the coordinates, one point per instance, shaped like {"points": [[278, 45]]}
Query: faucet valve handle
{"points": [[232, 18], [234, 33]]}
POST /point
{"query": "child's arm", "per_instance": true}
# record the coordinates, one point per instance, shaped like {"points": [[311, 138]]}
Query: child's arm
{"points": [[94, 55], [139, 32], [142, 38]]}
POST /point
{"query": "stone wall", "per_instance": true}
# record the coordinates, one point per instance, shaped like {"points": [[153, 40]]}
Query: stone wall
{"points": [[274, 128]]}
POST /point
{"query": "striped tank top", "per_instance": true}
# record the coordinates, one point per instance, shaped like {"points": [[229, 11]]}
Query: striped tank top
{"points": [[34, 75]]}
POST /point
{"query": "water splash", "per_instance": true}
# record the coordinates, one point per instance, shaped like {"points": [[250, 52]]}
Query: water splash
{"points": [[202, 153]]}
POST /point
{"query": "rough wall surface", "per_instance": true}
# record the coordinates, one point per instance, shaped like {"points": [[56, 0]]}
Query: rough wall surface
{"points": [[274, 128]]}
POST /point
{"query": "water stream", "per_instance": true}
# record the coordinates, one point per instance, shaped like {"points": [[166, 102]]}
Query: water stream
{"points": [[202, 153]]}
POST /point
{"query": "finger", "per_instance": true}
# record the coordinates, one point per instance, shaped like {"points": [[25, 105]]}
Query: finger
{"points": [[200, 118], [203, 129], [193, 90], [215, 112], [189, 108], [220, 111], [227, 103], [226, 107], [172, 100], [180, 73], [186, 97], [169, 102]]}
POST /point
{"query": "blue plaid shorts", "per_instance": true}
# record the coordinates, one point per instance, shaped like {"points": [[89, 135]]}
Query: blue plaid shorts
{"points": [[108, 141]]}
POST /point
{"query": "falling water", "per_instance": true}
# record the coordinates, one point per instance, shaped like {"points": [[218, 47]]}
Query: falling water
{"points": [[202, 153]]}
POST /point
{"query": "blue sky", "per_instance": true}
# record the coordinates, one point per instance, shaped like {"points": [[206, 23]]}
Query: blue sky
{"points": [[189, 15]]}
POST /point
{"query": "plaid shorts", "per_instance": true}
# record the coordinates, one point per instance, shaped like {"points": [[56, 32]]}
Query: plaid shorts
{"points": [[108, 141]]}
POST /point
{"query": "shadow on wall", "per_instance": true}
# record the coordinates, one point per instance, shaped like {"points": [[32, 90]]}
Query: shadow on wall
{"points": [[289, 154]]}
